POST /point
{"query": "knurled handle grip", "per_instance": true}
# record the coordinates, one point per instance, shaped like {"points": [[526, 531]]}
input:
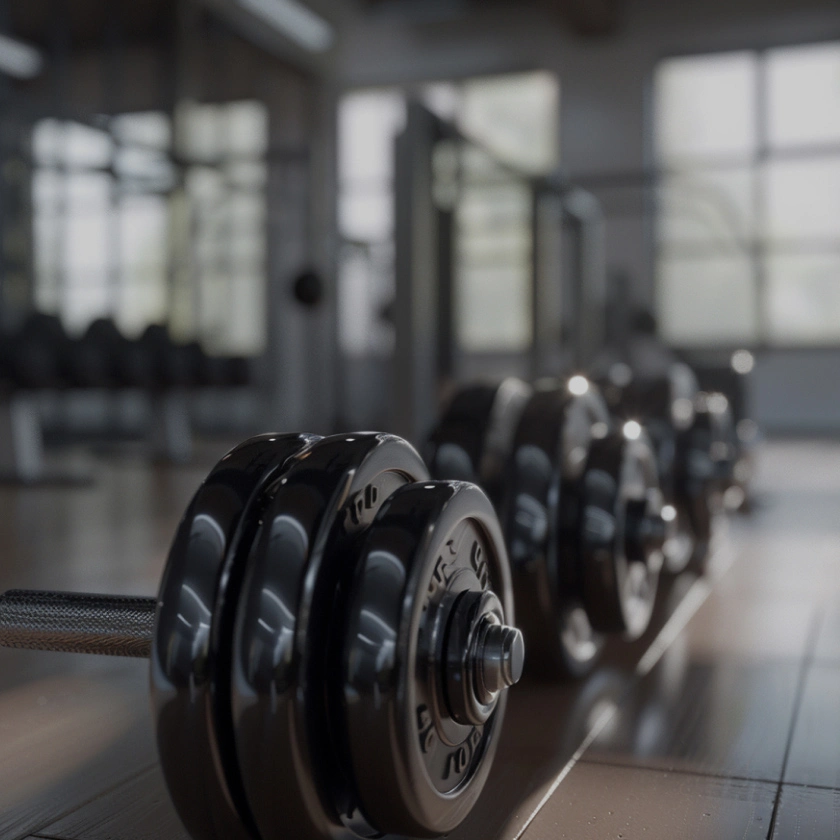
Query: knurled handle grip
{"points": [[77, 622]]}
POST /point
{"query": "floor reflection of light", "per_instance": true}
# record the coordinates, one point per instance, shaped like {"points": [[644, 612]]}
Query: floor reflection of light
{"points": [[603, 712]]}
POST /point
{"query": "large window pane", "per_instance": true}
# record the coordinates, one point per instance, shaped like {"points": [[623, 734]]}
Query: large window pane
{"points": [[783, 206], [493, 307], [246, 174], [84, 146], [47, 142], [709, 207], [247, 250], [143, 232], [516, 117], [143, 300], [86, 295], [87, 193], [142, 168], [199, 131], [368, 122], [149, 129], [802, 198], [705, 107], [86, 242], [366, 215], [246, 128], [492, 260], [48, 251], [154, 238], [707, 300], [365, 291], [47, 190], [803, 95], [803, 298], [213, 304], [244, 319]]}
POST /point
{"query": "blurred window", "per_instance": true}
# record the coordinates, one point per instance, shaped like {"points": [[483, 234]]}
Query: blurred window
{"points": [[747, 147], [368, 123], [220, 240], [515, 119], [147, 219], [492, 259]]}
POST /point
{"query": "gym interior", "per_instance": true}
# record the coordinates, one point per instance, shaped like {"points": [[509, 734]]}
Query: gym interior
{"points": [[443, 396]]}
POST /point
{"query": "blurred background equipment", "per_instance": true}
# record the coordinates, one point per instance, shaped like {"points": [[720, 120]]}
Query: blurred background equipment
{"points": [[579, 498]]}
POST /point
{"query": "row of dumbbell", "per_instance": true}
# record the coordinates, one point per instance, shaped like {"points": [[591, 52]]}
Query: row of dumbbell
{"points": [[334, 633], [40, 354], [593, 503]]}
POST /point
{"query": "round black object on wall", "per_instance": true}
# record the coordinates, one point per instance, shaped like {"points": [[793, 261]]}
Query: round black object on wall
{"points": [[308, 288]]}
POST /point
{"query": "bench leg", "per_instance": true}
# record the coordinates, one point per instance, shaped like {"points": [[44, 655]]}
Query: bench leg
{"points": [[171, 435], [21, 438]]}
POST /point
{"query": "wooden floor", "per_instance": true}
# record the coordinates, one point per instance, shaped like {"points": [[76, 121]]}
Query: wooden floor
{"points": [[722, 722]]}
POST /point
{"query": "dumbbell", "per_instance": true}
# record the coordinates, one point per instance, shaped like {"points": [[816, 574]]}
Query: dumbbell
{"points": [[37, 351], [688, 428], [730, 378], [580, 507], [330, 647], [219, 371], [706, 458], [174, 364], [129, 363]]}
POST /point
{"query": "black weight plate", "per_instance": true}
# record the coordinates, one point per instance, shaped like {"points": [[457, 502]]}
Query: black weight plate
{"points": [[419, 771], [541, 512], [291, 630], [473, 439], [681, 545], [190, 663], [705, 463], [621, 495], [663, 397], [684, 390]]}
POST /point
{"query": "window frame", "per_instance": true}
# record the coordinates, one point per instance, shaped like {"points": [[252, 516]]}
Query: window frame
{"points": [[757, 246]]}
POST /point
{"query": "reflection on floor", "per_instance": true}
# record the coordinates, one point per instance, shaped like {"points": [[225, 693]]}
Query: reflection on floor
{"points": [[720, 723]]}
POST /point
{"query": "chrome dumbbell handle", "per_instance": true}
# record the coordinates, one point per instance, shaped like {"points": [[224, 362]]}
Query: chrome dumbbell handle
{"points": [[73, 622]]}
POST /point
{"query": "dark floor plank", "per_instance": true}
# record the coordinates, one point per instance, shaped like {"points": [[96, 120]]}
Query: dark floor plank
{"points": [[72, 727], [139, 809], [807, 814], [598, 801], [64, 739], [724, 717], [815, 749]]}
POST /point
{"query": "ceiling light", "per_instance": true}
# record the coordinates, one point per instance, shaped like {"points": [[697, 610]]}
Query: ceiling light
{"points": [[18, 59]]}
